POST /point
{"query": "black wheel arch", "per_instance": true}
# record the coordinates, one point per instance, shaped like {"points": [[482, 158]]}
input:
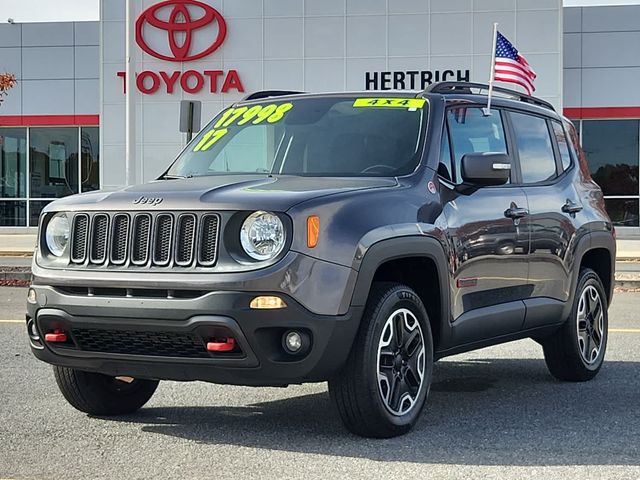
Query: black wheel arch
{"points": [[408, 248]]}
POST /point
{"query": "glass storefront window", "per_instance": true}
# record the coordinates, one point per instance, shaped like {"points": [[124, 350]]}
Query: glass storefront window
{"points": [[35, 208], [54, 161], [611, 147], [90, 161], [13, 213], [13, 162], [623, 211]]}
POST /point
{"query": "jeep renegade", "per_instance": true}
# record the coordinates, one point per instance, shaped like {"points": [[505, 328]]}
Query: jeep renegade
{"points": [[353, 238]]}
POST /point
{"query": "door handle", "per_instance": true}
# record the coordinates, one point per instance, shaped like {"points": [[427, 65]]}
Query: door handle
{"points": [[571, 207], [516, 212]]}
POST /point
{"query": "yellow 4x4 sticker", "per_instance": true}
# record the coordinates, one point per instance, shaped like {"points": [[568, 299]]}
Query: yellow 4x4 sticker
{"points": [[257, 114], [390, 102]]}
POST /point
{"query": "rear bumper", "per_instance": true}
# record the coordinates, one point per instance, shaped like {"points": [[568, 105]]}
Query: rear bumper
{"points": [[118, 335]]}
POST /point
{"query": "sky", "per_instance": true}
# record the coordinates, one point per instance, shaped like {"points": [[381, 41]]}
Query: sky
{"points": [[79, 10]]}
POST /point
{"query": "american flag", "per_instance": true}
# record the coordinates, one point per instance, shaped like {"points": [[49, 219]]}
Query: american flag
{"points": [[511, 66]]}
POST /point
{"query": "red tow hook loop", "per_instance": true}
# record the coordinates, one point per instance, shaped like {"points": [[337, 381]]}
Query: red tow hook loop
{"points": [[57, 336], [226, 346]]}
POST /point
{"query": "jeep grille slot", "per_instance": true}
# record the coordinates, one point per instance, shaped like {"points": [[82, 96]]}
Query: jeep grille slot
{"points": [[99, 234], [208, 240], [79, 238], [163, 239], [185, 239], [141, 238], [119, 239], [144, 240]]}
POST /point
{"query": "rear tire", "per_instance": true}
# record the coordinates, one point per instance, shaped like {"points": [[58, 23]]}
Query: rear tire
{"points": [[383, 387], [102, 395], [576, 351]]}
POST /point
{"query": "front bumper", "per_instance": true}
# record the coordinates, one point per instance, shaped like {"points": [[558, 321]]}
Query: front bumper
{"points": [[132, 335]]}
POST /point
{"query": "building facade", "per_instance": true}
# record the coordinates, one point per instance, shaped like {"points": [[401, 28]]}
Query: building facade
{"points": [[49, 135], [62, 127]]}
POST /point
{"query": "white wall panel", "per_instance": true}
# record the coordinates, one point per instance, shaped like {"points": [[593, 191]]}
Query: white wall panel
{"points": [[366, 36], [611, 19], [283, 74], [47, 34], [572, 46], [408, 35], [87, 96], [47, 62], [611, 49], [329, 7], [597, 91], [283, 8], [47, 97], [368, 7], [572, 90], [11, 60], [324, 75], [12, 102], [440, 6], [324, 37], [87, 62], [572, 17], [282, 38], [445, 36], [86, 33], [10, 35]]}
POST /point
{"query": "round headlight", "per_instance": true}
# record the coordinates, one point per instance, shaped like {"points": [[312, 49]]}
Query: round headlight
{"points": [[57, 234], [262, 235]]}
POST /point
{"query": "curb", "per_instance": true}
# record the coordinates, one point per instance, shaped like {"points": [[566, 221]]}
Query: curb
{"points": [[15, 276]]}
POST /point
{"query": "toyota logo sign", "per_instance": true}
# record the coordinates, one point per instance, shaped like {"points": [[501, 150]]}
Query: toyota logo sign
{"points": [[193, 29]]}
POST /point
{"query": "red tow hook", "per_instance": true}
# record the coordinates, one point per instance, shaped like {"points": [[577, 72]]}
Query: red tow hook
{"points": [[57, 336], [217, 346]]}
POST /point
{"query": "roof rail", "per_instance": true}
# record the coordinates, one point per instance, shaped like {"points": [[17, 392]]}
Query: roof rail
{"points": [[466, 87], [267, 94]]}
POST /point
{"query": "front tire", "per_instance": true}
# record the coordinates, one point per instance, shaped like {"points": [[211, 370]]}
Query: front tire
{"points": [[101, 395], [384, 385], [576, 351]]}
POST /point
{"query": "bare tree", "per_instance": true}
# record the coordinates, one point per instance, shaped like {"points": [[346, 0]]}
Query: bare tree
{"points": [[7, 82]]}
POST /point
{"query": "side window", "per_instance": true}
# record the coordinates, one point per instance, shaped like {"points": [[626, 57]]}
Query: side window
{"points": [[563, 145], [537, 161], [445, 168], [471, 131]]}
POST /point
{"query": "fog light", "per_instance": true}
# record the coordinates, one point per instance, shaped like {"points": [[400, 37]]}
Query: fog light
{"points": [[296, 342], [31, 296], [33, 331], [267, 302], [293, 342]]}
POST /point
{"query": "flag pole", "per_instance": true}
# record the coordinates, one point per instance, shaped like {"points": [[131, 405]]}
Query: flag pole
{"points": [[492, 72]]}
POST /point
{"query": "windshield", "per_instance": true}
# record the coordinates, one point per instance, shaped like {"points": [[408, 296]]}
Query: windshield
{"points": [[323, 136]]}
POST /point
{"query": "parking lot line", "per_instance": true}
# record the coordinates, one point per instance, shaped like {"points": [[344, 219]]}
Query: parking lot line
{"points": [[11, 321]]}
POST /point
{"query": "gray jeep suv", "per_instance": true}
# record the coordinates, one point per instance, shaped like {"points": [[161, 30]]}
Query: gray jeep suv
{"points": [[353, 238]]}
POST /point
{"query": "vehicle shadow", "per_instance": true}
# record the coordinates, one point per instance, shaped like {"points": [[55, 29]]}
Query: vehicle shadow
{"points": [[482, 412]]}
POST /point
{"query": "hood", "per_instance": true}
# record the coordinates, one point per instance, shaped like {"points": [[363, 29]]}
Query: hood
{"points": [[220, 192]]}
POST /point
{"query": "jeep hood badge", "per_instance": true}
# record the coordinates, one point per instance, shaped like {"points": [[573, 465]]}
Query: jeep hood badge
{"points": [[151, 201]]}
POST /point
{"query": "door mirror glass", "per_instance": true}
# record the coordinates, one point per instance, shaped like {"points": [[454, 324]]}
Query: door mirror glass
{"points": [[486, 169]]}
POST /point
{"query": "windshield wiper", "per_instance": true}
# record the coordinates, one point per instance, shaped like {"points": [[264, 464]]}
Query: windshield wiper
{"points": [[167, 176]]}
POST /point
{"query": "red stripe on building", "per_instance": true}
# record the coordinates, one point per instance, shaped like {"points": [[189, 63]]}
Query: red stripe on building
{"points": [[601, 112], [48, 120]]}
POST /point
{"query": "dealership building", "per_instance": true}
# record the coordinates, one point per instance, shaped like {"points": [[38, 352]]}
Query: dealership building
{"points": [[62, 128]]}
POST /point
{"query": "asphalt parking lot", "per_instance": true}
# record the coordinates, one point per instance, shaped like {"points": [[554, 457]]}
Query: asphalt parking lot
{"points": [[494, 413]]}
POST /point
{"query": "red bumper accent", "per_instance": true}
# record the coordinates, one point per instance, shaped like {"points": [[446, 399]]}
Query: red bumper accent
{"points": [[56, 337], [225, 346]]}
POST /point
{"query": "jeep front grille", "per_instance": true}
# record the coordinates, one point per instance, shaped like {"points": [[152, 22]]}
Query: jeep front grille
{"points": [[144, 239]]}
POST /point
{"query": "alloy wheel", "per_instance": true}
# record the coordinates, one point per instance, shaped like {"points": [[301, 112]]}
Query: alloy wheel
{"points": [[401, 362], [590, 324]]}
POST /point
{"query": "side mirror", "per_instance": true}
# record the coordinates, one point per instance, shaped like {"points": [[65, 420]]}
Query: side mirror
{"points": [[486, 169]]}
